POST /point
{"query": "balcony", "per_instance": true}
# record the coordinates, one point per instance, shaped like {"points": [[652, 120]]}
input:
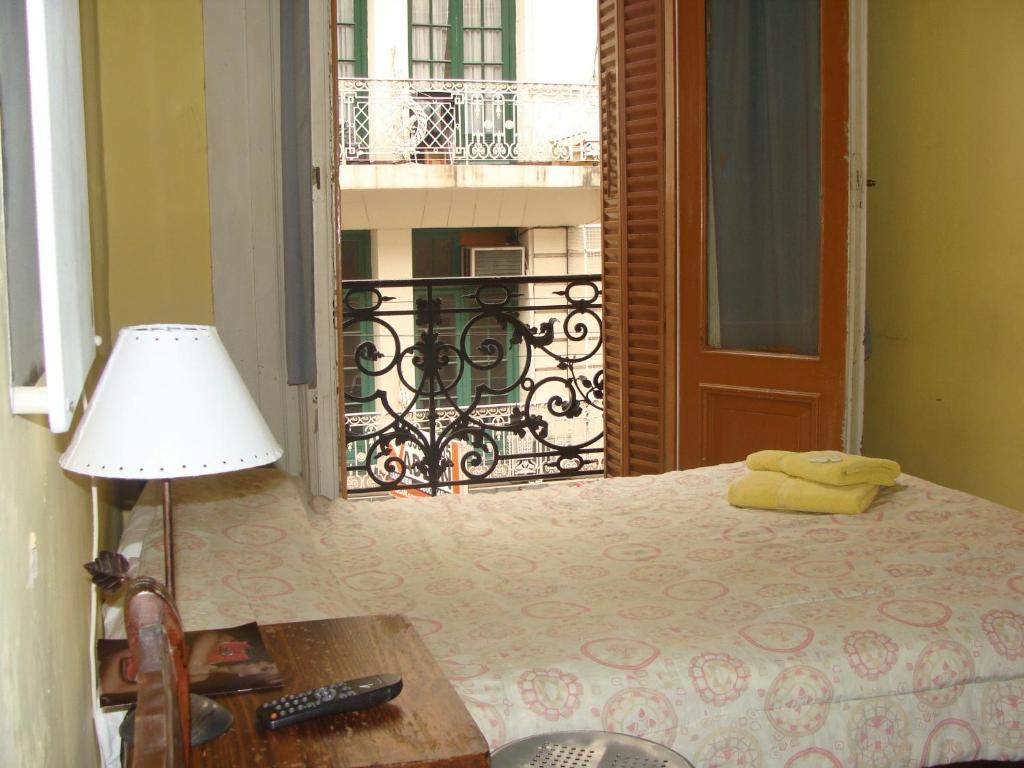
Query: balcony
{"points": [[464, 122], [458, 382]]}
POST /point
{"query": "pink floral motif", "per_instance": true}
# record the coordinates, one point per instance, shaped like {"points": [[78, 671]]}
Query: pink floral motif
{"points": [[823, 569], [893, 535], [730, 747], [780, 553], [983, 567], [258, 586], [782, 590], [863, 590], [1003, 713], [870, 654], [710, 554], [902, 570], [814, 757], [550, 693], [1005, 631], [658, 573], [797, 702], [729, 612], [928, 516], [941, 671], [251, 535], [778, 636], [718, 677], [641, 712], [584, 572], [825, 535], [879, 733], [449, 586], [916, 613], [620, 653], [749, 534], [645, 612], [951, 741]]}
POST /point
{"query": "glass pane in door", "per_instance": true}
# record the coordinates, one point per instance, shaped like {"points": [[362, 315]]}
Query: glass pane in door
{"points": [[763, 232]]}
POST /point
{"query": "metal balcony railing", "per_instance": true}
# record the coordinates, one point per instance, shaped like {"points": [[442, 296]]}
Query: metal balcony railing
{"points": [[451, 382], [467, 121]]}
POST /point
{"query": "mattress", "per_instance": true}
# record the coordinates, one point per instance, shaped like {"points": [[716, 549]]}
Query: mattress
{"points": [[650, 606]]}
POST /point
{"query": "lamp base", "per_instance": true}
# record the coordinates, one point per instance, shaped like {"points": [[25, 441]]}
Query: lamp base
{"points": [[207, 720]]}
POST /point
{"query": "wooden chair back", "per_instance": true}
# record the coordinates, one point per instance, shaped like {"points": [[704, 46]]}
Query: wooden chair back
{"points": [[157, 644]]}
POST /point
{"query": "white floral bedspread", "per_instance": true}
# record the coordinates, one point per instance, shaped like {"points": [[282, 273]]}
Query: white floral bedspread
{"points": [[650, 606]]}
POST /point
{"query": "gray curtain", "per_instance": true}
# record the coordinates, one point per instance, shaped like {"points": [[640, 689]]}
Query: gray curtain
{"points": [[297, 193], [764, 188]]}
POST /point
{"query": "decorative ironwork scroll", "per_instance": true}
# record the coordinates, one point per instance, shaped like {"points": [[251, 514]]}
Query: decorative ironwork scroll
{"points": [[472, 380]]}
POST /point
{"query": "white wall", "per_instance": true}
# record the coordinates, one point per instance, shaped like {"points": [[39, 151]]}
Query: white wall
{"points": [[557, 41], [387, 39]]}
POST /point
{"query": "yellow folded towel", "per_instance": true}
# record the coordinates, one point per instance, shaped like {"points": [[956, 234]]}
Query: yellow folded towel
{"points": [[776, 490], [768, 460], [828, 467]]}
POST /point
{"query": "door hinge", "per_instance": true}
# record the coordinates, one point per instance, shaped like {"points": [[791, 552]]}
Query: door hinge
{"points": [[316, 176]]}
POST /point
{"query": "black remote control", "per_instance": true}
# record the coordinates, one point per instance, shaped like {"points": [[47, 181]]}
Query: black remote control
{"points": [[361, 693]]}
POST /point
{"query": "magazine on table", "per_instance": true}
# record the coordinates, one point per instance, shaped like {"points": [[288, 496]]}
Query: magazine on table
{"points": [[219, 661]]}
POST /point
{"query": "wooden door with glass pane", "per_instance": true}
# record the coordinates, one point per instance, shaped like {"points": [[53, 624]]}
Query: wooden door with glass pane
{"points": [[763, 104]]}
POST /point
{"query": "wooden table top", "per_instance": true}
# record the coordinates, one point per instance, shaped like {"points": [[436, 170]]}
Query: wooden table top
{"points": [[427, 724]]}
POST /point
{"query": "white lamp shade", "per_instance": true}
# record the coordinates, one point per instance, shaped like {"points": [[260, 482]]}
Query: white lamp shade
{"points": [[170, 403]]}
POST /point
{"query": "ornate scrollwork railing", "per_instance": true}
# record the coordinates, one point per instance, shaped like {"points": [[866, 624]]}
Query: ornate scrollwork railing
{"points": [[467, 121], [459, 381]]}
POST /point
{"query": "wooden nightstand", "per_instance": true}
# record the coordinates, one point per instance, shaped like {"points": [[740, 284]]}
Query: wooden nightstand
{"points": [[426, 725]]}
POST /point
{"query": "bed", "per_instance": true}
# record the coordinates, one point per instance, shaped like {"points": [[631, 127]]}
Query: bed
{"points": [[650, 606]]}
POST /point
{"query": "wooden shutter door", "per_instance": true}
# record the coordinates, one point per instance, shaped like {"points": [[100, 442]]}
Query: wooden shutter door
{"points": [[639, 302]]}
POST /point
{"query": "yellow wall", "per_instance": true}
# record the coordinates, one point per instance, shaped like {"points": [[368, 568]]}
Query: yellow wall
{"points": [[153, 122], [945, 385], [45, 525]]}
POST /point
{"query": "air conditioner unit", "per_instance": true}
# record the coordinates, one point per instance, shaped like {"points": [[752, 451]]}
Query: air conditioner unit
{"points": [[497, 262]]}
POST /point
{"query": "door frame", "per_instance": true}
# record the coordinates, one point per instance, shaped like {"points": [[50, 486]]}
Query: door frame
{"points": [[856, 246], [690, 218], [320, 422]]}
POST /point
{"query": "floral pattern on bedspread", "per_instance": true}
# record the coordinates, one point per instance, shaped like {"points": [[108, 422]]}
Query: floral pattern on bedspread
{"points": [[243, 551], [650, 606]]}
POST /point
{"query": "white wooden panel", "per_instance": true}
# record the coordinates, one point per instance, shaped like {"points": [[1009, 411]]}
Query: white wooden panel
{"points": [[321, 404], [62, 210], [243, 120]]}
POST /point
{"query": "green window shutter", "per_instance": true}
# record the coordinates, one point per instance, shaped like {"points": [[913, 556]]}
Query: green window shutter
{"points": [[351, 38], [462, 39], [355, 265], [431, 39]]}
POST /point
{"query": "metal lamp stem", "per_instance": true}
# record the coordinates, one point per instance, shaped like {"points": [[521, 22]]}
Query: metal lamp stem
{"points": [[168, 539]]}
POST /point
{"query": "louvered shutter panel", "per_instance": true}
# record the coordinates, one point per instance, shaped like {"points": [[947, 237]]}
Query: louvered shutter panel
{"points": [[637, 268]]}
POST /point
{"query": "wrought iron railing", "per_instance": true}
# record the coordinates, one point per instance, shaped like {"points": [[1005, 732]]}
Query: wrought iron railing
{"points": [[451, 382], [467, 121]]}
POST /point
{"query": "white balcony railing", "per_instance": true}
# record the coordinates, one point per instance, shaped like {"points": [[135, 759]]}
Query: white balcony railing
{"points": [[467, 121]]}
